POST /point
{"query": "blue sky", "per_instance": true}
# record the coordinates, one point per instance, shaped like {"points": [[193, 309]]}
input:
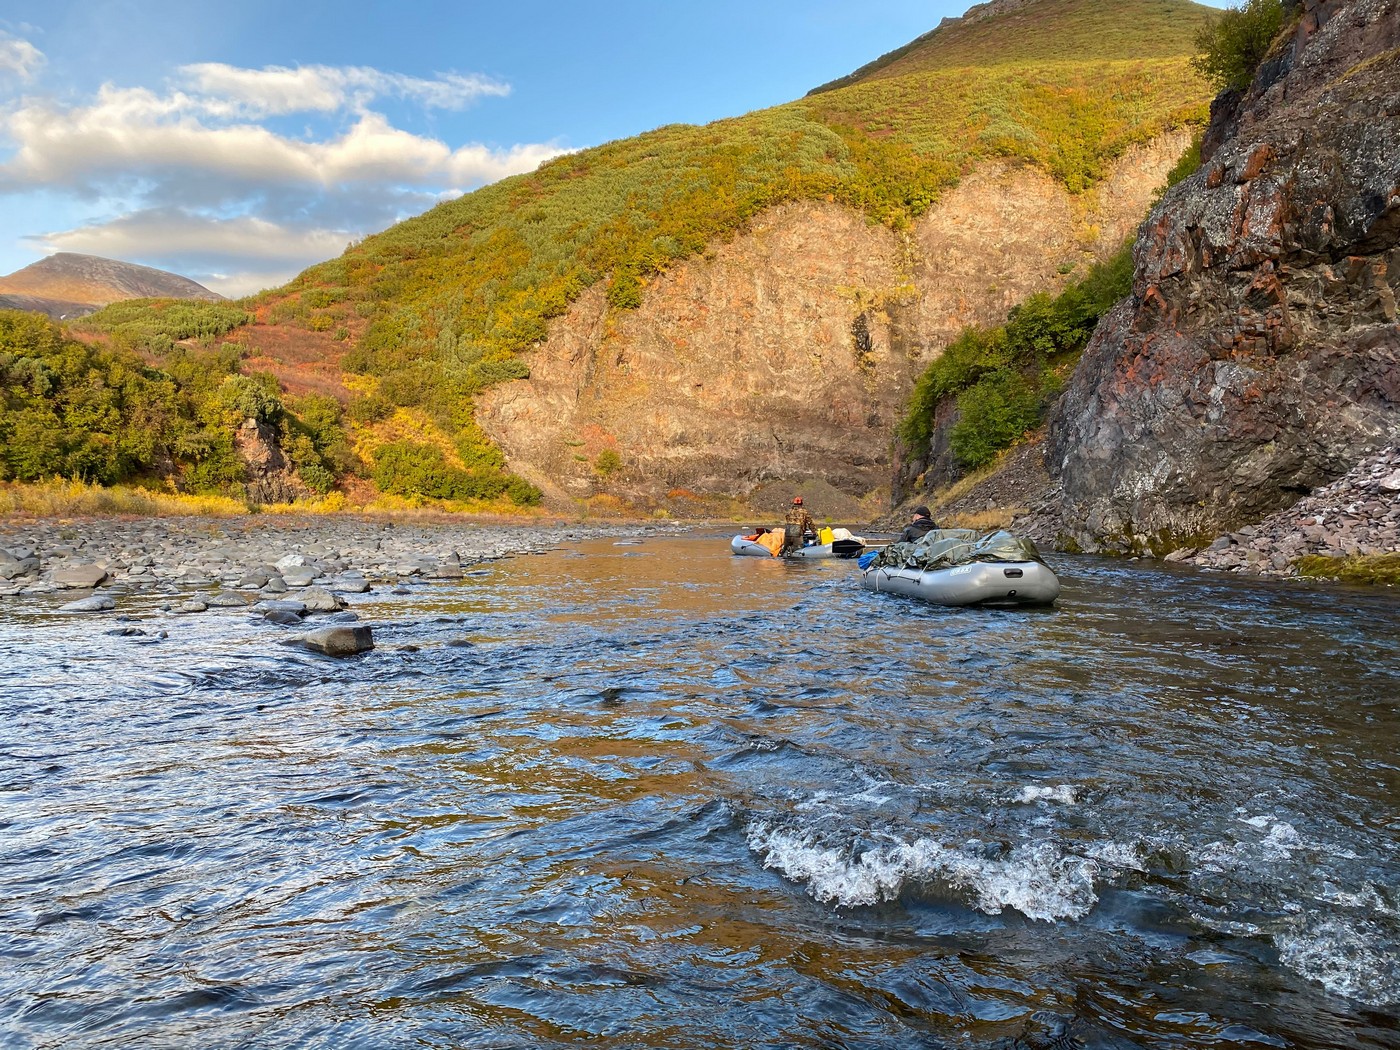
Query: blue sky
{"points": [[237, 143]]}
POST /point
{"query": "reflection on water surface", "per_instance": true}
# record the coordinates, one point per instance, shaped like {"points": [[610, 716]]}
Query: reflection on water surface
{"points": [[655, 795]]}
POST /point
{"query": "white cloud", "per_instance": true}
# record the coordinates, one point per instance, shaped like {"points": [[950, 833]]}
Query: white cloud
{"points": [[233, 257], [190, 179], [137, 135], [19, 58], [273, 90], [180, 234]]}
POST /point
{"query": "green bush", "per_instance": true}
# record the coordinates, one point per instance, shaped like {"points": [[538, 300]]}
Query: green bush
{"points": [[608, 463], [407, 468], [254, 397], [1232, 46], [155, 324], [1042, 337], [993, 414]]}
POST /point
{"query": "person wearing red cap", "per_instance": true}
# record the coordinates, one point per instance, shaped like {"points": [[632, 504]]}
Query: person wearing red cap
{"points": [[797, 525]]}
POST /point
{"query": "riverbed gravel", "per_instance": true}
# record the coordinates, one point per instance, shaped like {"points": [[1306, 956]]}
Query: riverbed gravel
{"points": [[214, 562]]}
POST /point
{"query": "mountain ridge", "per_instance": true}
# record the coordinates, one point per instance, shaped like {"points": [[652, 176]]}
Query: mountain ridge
{"points": [[66, 282]]}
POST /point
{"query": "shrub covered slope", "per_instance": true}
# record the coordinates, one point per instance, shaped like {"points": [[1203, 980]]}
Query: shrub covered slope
{"points": [[437, 308]]}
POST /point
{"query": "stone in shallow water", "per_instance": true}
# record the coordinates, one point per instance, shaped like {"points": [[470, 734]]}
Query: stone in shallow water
{"points": [[341, 640], [97, 603], [194, 605], [300, 577], [283, 617], [78, 577], [284, 605], [227, 600], [317, 599]]}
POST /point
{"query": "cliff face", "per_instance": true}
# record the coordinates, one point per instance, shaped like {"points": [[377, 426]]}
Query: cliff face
{"points": [[1259, 355], [804, 333]]}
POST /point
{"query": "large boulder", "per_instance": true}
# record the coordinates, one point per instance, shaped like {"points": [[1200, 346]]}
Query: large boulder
{"points": [[78, 577], [341, 640]]}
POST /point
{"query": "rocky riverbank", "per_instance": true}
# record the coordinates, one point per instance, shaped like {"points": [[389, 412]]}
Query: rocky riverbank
{"points": [[212, 562], [1356, 515]]}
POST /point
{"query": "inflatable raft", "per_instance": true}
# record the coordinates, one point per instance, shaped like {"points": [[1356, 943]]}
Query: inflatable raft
{"points": [[959, 567], [977, 583], [842, 545]]}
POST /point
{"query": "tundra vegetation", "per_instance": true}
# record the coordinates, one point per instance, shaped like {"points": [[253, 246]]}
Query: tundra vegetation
{"points": [[436, 309]]}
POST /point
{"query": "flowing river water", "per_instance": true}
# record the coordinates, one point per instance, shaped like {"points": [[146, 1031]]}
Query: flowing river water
{"points": [[647, 794]]}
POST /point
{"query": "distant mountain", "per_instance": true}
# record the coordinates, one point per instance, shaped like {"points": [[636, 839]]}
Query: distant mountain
{"points": [[68, 285], [57, 309]]}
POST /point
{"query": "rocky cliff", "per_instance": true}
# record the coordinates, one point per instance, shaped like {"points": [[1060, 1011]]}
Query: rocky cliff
{"points": [[1258, 358], [803, 333]]}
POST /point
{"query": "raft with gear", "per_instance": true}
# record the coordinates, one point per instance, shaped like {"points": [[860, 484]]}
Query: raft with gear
{"points": [[962, 567], [768, 543]]}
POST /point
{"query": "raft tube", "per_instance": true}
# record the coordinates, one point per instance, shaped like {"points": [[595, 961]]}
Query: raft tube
{"points": [[975, 583], [848, 548]]}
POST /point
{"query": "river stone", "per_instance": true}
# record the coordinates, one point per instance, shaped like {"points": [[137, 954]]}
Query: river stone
{"points": [[340, 640], [284, 605], [97, 603], [12, 567], [283, 617], [300, 576], [349, 584], [194, 605], [227, 600], [276, 585], [318, 599], [78, 577], [290, 561]]}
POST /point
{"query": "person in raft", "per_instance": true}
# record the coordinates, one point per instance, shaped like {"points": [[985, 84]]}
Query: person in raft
{"points": [[798, 524], [920, 526]]}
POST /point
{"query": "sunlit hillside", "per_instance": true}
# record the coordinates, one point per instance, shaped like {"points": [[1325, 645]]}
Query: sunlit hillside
{"points": [[1044, 31], [423, 316]]}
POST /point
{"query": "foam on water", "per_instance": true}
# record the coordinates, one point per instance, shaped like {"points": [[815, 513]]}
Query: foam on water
{"points": [[1064, 794], [1349, 957], [1037, 879]]}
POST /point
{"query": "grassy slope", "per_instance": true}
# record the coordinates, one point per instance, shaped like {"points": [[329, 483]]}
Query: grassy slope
{"points": [[1046, 31], [440, 306]]}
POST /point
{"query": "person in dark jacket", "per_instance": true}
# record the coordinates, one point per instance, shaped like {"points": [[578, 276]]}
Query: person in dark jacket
{"points": [[798, 524], [922, 524]]}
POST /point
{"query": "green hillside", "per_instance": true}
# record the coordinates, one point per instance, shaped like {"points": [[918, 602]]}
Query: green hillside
{"points": [[441, 306], [1045, 31]]}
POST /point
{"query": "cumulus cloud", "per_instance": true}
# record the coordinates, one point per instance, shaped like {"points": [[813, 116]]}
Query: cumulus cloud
{"points": [[192, 177], [233, 256], [19, 58], [134, 135], [181, 234]]}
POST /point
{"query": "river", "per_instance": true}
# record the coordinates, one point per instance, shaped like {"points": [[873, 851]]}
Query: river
{"points": [[647, 794]]}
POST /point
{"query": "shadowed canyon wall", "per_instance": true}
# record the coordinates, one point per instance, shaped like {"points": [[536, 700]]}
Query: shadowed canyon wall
{"points": [[1259, 355]]}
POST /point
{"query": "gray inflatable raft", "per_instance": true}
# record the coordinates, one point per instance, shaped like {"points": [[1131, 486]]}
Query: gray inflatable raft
{"points": [[975, 583], [845, 548]]}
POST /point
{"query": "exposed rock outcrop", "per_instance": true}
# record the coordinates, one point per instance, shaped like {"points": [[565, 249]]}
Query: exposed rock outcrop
{"points": [[1258, 358], [805, 333], [270, 477]]}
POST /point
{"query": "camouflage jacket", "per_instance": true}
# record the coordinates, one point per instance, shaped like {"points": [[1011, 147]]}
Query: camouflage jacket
{"points": [[798, 522]]}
